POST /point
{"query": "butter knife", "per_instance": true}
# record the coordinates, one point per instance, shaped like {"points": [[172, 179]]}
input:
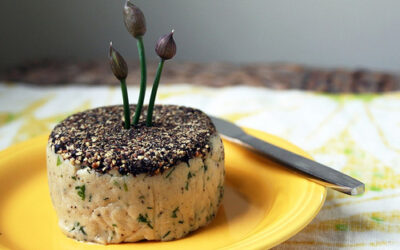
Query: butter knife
{"points": [[314, 171]]}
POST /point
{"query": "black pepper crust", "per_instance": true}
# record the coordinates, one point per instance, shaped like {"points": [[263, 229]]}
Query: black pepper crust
{"points": [[97, 139]]}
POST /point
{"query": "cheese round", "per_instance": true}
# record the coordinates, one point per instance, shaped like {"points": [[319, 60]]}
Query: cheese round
{"points": [[159, 198]]}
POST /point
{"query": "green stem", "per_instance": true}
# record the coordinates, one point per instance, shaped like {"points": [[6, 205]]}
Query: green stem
{"points": [[154, 93], [142, 92], [127, 111]]}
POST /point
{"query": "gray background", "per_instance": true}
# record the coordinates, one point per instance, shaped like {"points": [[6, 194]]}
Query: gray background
{"points": [[328, 33]]}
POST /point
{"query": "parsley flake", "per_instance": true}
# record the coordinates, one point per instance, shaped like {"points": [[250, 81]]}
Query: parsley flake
{"points": [[81, 191], [144, 219], [170, 172], [165, 235], [59, 161], [116, 183], [173, 215], [82, 230]]}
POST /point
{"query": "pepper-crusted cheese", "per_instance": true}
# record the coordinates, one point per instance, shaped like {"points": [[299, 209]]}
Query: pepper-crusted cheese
{"points": [[113, 208], [97, 139]]}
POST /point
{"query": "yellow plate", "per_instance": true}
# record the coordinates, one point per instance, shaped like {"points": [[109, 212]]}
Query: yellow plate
{"points": [[263, 206]]}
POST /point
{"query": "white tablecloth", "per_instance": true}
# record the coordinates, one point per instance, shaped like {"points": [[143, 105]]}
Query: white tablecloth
{"points": [[356, 134]]}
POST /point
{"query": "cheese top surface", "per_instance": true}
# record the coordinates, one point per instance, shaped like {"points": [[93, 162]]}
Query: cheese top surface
{"points": [[97, 139]]}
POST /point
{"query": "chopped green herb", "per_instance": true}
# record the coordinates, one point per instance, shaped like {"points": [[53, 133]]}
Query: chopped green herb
{"points": [[149, 208], [144, 219], [81, 191], [173, 215], [116, 183], [221, 193], [205, 168], [210, 217], [141, 197], [59, 161], [82, 230], [180, 222], [75, 225], [78, 225], [190, 175], [73, 177], [125, 187], [90, 198], [114, 225], [112, 237], [165, 235], [170, 172]]}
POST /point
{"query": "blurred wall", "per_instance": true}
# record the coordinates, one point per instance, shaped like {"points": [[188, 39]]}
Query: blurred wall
{"points": [[352, 33]]}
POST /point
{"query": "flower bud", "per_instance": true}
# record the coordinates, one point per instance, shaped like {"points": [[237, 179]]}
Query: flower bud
{"points": [[166, 47], [134, 20], [118, 64]]}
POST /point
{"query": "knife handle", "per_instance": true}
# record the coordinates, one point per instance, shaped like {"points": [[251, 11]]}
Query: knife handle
{"points": [[315, 171]]}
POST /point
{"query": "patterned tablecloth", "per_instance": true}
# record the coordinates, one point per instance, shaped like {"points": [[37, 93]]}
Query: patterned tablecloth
{"points": [[356, 134]]}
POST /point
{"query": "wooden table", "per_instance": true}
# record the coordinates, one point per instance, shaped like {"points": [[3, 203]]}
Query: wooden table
{"points": [[274, 76]]}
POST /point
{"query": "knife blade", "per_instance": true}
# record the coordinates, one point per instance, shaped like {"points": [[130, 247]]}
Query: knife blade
{"points": [[314, 171]]}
